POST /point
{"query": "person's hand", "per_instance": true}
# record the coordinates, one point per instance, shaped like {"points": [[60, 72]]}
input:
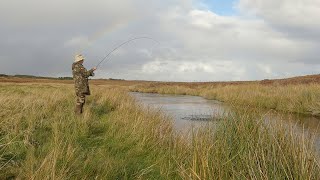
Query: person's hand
{"points": [[94, 68]]}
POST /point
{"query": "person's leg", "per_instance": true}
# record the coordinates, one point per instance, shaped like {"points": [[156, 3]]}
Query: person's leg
{"points": [[79, 104], [82, 101]]}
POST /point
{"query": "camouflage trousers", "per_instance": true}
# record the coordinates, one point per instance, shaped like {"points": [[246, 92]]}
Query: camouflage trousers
{"points": [[81, 99]]}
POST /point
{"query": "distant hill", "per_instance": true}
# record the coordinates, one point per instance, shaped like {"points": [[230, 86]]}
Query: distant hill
{"points": [[35, 77], [308, 79], [294, 80]]}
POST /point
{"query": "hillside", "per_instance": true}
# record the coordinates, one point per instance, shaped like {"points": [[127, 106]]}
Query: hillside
{"points": [[308, 79]]}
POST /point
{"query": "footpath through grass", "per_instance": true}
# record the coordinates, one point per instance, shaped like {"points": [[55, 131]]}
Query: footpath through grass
{"points": [[116, 138]]}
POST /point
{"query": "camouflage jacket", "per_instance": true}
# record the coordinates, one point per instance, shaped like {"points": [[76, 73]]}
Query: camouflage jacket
{"points": [[80, 77]]}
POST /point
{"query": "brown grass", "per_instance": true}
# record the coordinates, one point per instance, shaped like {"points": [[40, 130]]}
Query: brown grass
{"points": [[40, 138]]}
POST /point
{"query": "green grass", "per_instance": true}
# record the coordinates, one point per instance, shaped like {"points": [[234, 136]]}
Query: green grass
{"points": [[296, 98], [41, 138]]}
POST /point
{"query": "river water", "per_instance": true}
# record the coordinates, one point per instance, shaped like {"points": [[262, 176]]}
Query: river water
{"points": [[195, 112]]}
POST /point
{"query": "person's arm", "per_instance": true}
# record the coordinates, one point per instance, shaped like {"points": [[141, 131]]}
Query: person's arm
{"points": [[91, 72], [88, 73], [82, 70]]}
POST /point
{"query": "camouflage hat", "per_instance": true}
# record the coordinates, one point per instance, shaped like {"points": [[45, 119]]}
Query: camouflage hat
{"points": [[78, 58]]}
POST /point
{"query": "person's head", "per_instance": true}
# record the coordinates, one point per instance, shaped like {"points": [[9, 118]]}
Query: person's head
{"points": [[79, 59]]}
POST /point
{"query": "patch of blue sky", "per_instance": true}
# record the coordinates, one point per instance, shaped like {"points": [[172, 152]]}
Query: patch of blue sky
{"points": [[221, 7]]}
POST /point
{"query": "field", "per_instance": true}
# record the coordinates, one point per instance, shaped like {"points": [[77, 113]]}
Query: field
{"points": [[117, 138], [294, 95]]}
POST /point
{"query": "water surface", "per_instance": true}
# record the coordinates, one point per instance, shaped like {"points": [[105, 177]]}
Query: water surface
{"points": [[193, 111], [186, 111]]}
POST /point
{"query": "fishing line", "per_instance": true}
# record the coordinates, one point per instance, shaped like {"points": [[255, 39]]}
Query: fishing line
{"points": [[126, 42]]}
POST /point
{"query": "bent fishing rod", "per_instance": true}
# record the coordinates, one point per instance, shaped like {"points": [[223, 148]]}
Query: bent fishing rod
{"points": [[126, 42]]}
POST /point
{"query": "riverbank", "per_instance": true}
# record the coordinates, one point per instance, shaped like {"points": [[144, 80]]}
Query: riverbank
{"points": [[118, 139], [296, 98], [114, 139]]}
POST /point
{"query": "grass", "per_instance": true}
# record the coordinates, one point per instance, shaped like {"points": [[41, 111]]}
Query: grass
{"points": [[246, 148], [42, 139], [297, 98], [116, 138]]}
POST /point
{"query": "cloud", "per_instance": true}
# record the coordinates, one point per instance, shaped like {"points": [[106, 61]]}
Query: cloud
{"points": [[41, 37], [206, 34], [202, 19], [204, 70], [291, 16], [76, 41]]}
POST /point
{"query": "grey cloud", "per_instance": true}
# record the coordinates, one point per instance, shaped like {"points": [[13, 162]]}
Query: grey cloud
{"points": [[293, 17], [40, 37]]}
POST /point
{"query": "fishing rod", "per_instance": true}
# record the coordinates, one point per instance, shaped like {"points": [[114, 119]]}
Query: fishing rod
{"points": [[126, 42]]}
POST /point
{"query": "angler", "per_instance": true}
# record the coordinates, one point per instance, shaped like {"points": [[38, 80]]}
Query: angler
{"points": [[80, 76]]}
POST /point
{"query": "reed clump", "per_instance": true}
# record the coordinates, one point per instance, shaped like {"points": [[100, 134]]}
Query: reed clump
{"points": [[244, 146]]}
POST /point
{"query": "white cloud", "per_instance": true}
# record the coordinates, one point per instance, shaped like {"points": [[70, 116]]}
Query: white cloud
{"points": [[206, 34], [296, 14], [265, 68], [195, 43], [145, 52], [206, 70], [202, 19]]}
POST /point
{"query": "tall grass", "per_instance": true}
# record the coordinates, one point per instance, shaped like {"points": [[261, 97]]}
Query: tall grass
{"points": [[116, 138], [289, 98], [244, 147], [42, 139]]}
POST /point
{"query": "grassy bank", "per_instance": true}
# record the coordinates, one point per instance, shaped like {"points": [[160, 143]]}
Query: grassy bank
{"points": [[116, 138], [296, 98], [42, 139], [246, 148]]}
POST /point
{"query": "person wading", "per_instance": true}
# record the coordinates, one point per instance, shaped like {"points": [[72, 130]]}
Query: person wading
{"points": [[80, 77]]}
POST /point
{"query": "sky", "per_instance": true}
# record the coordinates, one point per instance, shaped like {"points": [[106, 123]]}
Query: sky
{"points": [[199, 40], [221, 7]]}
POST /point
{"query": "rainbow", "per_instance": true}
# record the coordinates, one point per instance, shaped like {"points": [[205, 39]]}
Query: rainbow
{"points": [[102, 33]]}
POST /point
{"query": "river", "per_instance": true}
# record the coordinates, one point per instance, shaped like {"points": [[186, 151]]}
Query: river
{"points": [[193, 111]]}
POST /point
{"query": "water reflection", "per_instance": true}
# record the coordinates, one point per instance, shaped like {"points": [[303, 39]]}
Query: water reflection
{"points": [[308, 125], [193, 111], [186, 111]]}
